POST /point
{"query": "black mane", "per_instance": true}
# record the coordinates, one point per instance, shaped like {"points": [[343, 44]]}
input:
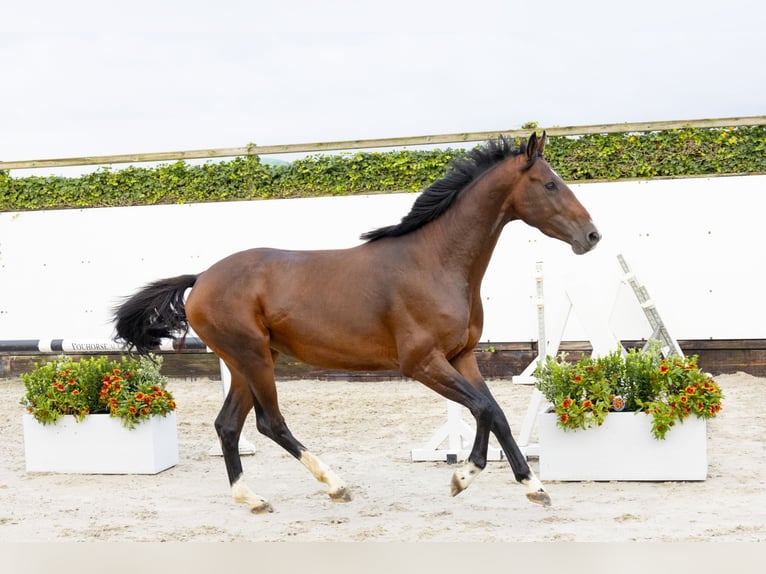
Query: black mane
{"points": [[440, 195]]}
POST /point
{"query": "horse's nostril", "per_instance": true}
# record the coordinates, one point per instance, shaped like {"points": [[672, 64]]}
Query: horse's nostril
{"points": [[594, 237]]}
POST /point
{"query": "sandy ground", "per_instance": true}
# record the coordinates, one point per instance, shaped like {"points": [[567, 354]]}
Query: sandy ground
{"points": [[366, 431]]}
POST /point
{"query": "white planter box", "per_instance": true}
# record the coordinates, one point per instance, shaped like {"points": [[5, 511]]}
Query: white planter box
{"points": [[623, 448], [99, 444]]}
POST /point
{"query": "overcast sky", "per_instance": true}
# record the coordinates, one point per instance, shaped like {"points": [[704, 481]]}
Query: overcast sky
{"points": [[92, 78]]}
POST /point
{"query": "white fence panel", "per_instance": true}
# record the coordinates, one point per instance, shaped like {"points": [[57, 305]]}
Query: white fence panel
{"points": [[695, 243]]}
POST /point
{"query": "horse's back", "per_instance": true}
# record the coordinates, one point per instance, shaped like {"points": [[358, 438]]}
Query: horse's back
{"points": [[312, 305]]}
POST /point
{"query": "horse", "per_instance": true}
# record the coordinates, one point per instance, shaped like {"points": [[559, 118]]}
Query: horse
{"points": [[407, 298]]}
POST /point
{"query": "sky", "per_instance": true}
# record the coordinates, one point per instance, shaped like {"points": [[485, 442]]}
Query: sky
{"points": [[85, 78]]}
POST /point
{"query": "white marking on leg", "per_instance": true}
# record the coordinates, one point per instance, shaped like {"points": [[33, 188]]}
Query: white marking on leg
{"points": [[241, 492], [535, 490], [336, 488], [463, 478]]}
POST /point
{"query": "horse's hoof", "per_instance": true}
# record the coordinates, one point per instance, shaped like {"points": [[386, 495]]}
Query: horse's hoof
{"points": [[539, 497], [463, 477], [456, 486], [262, 507], [340, 495]]}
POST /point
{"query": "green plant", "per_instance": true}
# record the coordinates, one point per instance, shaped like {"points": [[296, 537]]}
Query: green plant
{"points": [[666, 153], [131, 389], [669, 389]]}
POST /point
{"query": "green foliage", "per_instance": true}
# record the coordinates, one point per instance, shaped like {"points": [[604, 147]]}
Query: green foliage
{"points": [[131, 389], [669, 389], [686, 152], [660, 154]]}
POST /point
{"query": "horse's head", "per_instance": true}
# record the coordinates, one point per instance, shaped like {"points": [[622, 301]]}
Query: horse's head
{"points": [[543, 200]]}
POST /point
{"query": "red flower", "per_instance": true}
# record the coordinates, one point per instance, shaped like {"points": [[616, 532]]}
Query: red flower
{"points": [[587, 404], [690, 390], [564, 418], [664, 369], [566, 403]]}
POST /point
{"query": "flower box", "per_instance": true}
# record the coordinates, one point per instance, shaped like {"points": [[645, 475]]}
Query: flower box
{"points": [[622, 448], [101, 444]]}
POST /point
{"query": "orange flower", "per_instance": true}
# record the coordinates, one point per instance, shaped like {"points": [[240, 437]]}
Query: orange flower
{"points": [[577, 380], [587, 404], [566, 403], [664, 369], [690, 390], [132, 410], [564, 418]]}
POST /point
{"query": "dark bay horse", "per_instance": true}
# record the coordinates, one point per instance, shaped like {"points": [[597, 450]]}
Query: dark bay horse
{"points": [[408, 298]]}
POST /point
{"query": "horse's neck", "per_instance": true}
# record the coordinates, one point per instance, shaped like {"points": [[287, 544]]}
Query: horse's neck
{"points": [[466, 234]]}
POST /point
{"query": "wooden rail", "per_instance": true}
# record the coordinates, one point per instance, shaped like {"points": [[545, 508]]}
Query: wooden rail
{"points": [[381, 142]]}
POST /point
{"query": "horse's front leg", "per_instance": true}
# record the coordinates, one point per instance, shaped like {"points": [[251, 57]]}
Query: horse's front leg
{"points": [[466, 365]]}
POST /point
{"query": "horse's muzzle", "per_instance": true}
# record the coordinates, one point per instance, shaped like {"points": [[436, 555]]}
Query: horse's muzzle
{"points": [[590, 240]]}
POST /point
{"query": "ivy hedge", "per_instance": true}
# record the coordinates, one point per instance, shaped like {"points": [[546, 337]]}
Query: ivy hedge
{"points": [[686, 152]]}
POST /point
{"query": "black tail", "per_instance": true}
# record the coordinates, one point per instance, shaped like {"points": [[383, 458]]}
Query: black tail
{"points": [[156, 312]]}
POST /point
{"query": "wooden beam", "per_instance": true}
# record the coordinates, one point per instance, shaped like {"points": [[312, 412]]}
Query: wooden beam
{"points": [[467, 137]]}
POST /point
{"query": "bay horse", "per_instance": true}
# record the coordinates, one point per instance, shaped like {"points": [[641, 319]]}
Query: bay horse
{"points": [[407, 299]]}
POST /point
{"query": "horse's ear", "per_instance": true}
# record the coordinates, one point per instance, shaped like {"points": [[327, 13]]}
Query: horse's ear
{"points": [[541, 145], [532, 146]]}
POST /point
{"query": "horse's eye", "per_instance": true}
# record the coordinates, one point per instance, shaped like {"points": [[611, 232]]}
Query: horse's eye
{"points": [[550, 186]]}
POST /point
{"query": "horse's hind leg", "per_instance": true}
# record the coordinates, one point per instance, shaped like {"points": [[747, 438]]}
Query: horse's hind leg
{"points": [[277, 431], [228, 426], [251, 371]]}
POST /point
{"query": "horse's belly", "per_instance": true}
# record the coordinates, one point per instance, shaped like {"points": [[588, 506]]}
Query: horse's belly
{"points": [[355, 355]]}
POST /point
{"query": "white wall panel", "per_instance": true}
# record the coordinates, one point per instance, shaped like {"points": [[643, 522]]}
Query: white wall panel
{"points": [[697, 245]]}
